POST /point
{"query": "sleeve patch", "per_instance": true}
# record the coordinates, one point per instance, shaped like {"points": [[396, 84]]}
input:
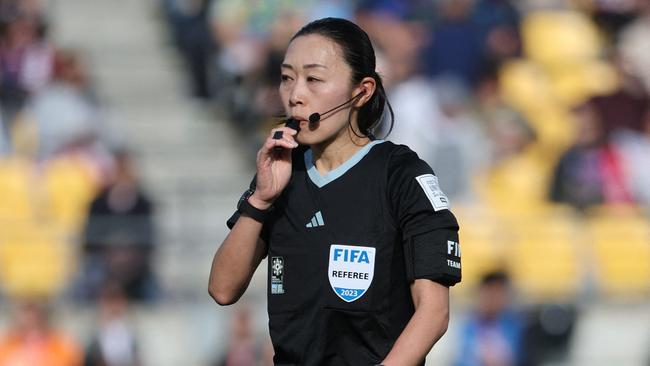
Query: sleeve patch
{"points": [[429, 184]]}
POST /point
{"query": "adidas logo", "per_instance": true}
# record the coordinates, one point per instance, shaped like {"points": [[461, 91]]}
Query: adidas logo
{"points": [[316, 221]]}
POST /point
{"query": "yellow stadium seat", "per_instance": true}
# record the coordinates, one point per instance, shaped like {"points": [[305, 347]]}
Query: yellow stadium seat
{"points": [[18, 190], [567, 47], [544, 260], [70, 188], [532, 91], [558, 38], [574, 84], [555, 131], [517, 184], [35, 260], [601, 77], [526, 86], [480, 249], [621, 251]]}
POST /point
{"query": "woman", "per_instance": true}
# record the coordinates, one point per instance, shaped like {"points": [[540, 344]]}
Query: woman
{"points": [[361, 244]]}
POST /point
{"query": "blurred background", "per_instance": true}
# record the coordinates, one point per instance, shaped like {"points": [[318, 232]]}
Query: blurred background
{"points": [[128, 130]]}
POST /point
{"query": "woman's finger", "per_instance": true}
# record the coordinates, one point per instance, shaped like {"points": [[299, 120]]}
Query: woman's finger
{"points": [[280, 138], [284, 143], [280, 132]]}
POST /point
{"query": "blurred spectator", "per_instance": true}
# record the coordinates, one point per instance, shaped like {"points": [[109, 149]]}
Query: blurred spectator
{"points": [[246, 69], [242, 349], [189, 25], [510, 134], [412, 96], [463, 147], [515, 179], [66, 111], [612, 15], [634, 150], [456, 46], [590, 172], [33, 341], [25, 60], [114, 343], [399, 29], [417, 115], [508, 131], [492, 334], [548, 333], [498, 22], [625, 107], [119, 238], [634, 45], [432, 118]]}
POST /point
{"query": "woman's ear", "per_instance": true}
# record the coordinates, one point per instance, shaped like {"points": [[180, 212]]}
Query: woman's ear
{"points": [[367, 86]]}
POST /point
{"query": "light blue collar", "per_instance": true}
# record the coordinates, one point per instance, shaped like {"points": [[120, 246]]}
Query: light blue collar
{"points": [[321, 180]]}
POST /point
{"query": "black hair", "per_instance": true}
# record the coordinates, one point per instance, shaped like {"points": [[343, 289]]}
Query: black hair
{"points": [[359, 54], [498, 277]]}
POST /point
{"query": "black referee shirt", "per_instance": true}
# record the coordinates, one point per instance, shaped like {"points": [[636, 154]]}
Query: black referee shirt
{"points": [[343, 249]]}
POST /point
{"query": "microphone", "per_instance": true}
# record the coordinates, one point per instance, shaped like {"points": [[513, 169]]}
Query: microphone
{"points": [[315, 117]]}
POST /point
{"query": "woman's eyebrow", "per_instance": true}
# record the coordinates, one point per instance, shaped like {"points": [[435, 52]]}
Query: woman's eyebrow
{"points": [[311, 66], [308, 66]]}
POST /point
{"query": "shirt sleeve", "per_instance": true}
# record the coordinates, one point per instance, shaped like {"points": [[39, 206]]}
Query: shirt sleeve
{"points": [[421, 210]]}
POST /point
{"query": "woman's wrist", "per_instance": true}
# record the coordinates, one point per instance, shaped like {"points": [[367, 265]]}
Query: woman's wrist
{"points": [[258, 203]]}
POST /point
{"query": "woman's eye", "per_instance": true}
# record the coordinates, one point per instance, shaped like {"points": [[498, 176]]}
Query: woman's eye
{"points": [[311, 78], [285, 77]]}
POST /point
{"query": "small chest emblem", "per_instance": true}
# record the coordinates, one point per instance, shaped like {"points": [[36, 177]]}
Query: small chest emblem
{"points": [[277, 275], [350, 270]]}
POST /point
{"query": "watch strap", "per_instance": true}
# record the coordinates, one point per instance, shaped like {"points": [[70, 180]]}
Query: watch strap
{"points": [[253, 212]]}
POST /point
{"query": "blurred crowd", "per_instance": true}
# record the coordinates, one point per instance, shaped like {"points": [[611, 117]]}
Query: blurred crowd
{"points": [[520, 103], [75, 223], [534, 114]]}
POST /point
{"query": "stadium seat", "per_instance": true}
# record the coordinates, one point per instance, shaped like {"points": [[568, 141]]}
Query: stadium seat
{"points": [[567, 46], [532, 92], [621, 251], [574, 84], [18, 190], [558, 38], [517, 184], [481, 249], [526, 86], [35, 259], [70, 188], [545, 259]]}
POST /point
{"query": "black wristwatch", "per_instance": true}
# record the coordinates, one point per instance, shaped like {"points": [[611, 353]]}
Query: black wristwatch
{"points": [[244, 207]]}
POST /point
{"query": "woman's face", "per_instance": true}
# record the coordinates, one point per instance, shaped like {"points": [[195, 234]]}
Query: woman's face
{"points": [[316, 78]]}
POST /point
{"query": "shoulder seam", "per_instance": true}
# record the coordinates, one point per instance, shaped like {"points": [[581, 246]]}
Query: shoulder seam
{"points": [[387, 167]]}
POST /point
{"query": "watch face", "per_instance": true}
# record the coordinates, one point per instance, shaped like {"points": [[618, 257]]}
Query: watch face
{"points": [[244, 197]]}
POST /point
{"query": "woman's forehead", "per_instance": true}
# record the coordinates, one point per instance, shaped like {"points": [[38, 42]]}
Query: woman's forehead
{"points": [[313, 49]]}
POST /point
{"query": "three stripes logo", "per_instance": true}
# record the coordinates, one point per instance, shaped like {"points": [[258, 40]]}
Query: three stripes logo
{"points": [[316, 220]]}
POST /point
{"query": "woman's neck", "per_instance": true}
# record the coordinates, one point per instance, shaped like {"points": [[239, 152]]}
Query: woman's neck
{"points": [[331, 154]]}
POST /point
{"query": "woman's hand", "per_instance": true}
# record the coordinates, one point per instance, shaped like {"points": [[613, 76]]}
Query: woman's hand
{"points": [[273, 167]]}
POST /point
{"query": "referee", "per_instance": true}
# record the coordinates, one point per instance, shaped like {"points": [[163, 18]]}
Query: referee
{"points": [[361, 245]]}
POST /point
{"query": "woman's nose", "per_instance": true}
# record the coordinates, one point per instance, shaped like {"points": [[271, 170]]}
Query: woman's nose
{"points": [[296, 97]]}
